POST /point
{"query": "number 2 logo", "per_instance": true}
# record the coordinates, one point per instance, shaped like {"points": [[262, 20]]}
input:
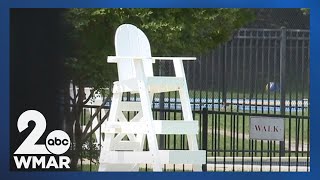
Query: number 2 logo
{"points": [[29, 145]]}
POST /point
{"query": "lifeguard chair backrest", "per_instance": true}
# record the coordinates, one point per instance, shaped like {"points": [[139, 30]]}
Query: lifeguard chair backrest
{"points": [[131, 41]]}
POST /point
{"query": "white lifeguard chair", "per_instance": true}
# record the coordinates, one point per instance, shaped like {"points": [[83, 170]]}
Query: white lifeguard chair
{"points": [[134, 62]]}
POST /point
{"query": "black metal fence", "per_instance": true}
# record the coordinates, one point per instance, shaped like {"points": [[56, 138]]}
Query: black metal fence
{"points": [[260, 72]]}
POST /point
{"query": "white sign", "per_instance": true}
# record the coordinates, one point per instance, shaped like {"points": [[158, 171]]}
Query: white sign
{"points": [[267, 128]]}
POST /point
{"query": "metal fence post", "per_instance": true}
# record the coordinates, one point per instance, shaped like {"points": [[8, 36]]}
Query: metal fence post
{"points": [[162, 111], [283, 57], [205, 134], [224, 70]]}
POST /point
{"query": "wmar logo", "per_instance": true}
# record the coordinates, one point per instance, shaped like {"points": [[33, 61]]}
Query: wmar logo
{"points": [[57, 143]]}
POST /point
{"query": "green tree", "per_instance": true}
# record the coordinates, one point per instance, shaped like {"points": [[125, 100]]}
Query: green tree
{"points": [[171, 32], [305, 11]]}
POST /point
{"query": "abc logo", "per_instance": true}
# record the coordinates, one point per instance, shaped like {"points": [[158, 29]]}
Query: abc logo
{"points": [[58, 142]]}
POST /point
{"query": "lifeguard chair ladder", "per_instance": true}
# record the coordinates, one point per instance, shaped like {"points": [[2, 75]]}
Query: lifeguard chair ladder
{"points": [[134, 62]]}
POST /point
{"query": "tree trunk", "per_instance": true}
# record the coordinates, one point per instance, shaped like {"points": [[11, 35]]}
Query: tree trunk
{"points": [[77, 129]]}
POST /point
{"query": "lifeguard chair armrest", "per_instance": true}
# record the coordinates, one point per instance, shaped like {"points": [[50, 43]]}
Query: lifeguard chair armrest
{"points": [[114, 59], [175, 58]]}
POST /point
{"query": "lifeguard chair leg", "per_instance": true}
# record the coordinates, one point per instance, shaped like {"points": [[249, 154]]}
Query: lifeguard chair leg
{"points": [[116, 98], [187, 116], [148, 118]]}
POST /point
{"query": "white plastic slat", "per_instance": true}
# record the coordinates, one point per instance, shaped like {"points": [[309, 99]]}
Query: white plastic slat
{"points": [[160, 127], [175, 127], [125, 145], [154, 84], [166, 157], [119, 167], [164, 84], [125, 86]]}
